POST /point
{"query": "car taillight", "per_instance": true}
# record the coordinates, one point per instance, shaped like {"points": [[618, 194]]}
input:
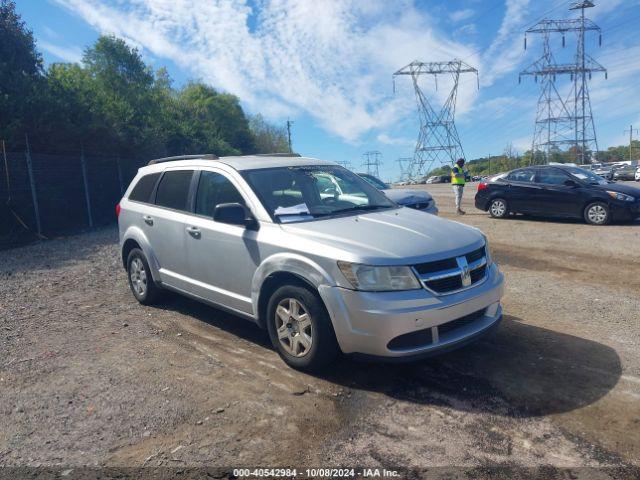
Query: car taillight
{"points": [[117, 210], [482, 186]]}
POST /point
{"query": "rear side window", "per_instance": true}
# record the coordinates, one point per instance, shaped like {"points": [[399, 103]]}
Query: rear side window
{"points": [[213, 190], [173, 190], [525, 175], [143, 189]]}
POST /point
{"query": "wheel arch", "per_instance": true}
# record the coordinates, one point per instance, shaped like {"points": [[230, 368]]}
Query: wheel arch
{"points": [[284, 269], [134, 237]]}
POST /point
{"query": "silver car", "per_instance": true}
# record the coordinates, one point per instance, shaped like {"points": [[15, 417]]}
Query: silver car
{"points": [[416, 199], [322, 271]]}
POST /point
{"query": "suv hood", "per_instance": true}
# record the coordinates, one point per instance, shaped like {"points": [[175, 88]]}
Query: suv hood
{"points": [[404, 196], [400, 236]]}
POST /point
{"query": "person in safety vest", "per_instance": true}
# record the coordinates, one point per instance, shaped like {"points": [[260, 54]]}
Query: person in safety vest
{"points": [[458, 178]]}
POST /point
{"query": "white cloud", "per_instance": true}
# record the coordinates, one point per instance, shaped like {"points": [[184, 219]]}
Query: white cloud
{"points": [[397, 141], [466, 29], [505, 52], [332, 60], [68, 54], [460, 15]]}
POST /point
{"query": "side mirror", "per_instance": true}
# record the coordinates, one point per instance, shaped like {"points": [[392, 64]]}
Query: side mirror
{"points": [[570, 183], [234, 214]]}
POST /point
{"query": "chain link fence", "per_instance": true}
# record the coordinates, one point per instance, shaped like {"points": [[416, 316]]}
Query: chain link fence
{"points": [[44, 195]]}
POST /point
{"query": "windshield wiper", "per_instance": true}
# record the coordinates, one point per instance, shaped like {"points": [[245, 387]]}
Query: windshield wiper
{"points": [[360, 207]]}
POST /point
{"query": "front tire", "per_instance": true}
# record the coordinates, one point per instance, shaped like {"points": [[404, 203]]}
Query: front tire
{"points": [[597, 213], [300, 328], [498, 208], [142, 285]]}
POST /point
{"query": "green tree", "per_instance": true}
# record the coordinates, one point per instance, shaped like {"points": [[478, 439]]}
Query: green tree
{"points": [[213, 122], [268, 138], [122, 97], [20, 75]]}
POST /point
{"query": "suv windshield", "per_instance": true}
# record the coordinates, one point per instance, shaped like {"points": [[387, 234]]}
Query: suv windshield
{"points": [[586, 175], [293, 194]]}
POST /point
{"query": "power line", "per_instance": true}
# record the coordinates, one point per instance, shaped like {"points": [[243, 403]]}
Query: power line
{"points": [[438, 140], [564, 120], [372, 162]]}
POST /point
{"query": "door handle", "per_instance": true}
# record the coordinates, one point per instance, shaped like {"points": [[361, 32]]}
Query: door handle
{"points": [[148, 220], [194, 232]]}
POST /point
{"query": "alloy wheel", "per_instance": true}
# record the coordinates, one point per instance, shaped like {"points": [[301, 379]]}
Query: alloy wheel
{"points": [[498, 208], [138, 276], [293, 327], [597, 214]]}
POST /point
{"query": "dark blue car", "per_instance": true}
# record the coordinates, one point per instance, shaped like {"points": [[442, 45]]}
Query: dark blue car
{"points": [[558, 191]]}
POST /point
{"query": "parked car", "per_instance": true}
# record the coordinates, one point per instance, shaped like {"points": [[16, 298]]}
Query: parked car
{"points": [[624, 172], [439, 179], [562, 191], [637, 175], [416, 199], [322, 272], [605, 171]]}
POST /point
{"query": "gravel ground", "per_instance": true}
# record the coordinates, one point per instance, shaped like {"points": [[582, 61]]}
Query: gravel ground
{"points": [[88, 377]]}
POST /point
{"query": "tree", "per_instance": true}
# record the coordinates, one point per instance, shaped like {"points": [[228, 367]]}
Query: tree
{"points": [[268, 138], [214, 122], [20, 74], [123, 96]]}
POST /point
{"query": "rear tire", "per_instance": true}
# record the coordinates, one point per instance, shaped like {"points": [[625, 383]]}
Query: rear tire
{"points": [[300, 328], [498, 208], [141, 282], [597, 213]]}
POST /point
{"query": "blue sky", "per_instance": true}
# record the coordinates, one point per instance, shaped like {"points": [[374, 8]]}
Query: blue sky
{"points": [[327, 65]]}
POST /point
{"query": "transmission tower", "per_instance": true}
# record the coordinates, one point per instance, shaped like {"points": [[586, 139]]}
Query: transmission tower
{"points": [[344, 163], [404, 163], [438, 140], [564, 120], [372, 162]]}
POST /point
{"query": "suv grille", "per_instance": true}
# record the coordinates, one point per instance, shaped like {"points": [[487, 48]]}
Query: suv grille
{"points": [[460, 322], [452, 274]]}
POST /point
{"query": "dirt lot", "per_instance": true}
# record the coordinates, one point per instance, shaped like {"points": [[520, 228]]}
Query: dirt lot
{"points": [[89, 377]]}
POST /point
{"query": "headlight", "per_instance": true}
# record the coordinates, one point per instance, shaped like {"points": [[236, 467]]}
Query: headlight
{"points": [[621, 196], [376, 279]]}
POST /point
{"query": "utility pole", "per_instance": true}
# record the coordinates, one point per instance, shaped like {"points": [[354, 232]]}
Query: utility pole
{"points": [[438, 140], [631, 132], [289, 123], [563, 120], [372, 162]]}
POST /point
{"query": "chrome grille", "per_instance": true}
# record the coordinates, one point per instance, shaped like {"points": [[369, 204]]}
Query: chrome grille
{"points": [[453, 274]]}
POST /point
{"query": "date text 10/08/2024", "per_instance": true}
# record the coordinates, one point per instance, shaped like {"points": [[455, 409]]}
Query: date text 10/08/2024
{"points": [[315, 472]]}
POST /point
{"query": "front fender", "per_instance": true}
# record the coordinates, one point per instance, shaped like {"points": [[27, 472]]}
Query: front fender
{"points": [[295, 264], [137, 234]]}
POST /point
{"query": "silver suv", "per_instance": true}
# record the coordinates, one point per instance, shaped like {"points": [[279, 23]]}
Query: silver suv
{"points": [[324, 271]]}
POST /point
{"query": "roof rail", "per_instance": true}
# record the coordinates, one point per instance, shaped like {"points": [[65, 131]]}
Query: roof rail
{"points": [[277, 155], [205, 156]]}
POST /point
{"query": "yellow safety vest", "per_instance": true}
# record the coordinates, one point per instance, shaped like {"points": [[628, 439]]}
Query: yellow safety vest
{"points": [[457, 181]]}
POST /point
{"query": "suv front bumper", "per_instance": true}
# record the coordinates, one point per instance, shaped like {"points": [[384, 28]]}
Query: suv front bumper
{"points": [[365, 322]]}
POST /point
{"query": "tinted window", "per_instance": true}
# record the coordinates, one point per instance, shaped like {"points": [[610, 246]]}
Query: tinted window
{"points": [[142, 191], [524, 175], [214, 189], [173, 191], [551, 176]]}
